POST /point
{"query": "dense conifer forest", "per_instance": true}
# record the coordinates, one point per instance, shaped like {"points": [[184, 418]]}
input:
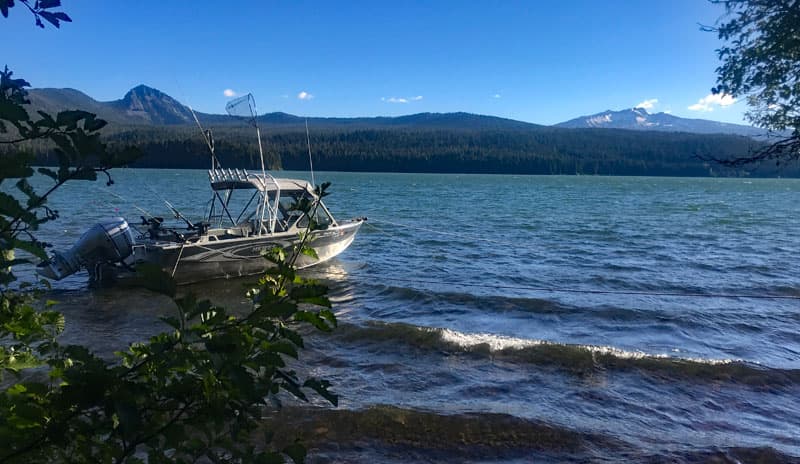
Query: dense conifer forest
{"points": [[165, 132], [524, 150], [544, 150]]}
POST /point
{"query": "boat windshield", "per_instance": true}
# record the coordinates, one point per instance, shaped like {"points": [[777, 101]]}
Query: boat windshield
{"points": [[289, 214], [236, 210]]}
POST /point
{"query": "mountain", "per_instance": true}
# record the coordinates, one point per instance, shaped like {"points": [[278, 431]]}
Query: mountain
{"points": [[55, 100], [162, 128], [640, 119], [142, 105], [150, 106], [147, 106]]}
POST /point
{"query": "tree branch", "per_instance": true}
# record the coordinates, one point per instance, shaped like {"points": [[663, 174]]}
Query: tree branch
{"points": [[787, 149]]}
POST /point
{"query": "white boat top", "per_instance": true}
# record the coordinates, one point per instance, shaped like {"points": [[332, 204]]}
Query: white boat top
{"points": [[235, 179]]}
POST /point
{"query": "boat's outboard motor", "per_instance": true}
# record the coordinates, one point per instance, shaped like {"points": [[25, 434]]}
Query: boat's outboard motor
{"points": [[110, 241]]}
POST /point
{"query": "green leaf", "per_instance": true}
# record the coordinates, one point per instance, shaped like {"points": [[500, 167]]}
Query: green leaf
{"points": [[284, 346], [31, 247], [63, 16], [27, 416], [242, 380], [45, 4], [9, 206], [310, 252], [84, 174], [128, 414], [281, 310], [25, 187], [65, 144], [21, 361], [296, 451], [46, 121], [92, 124], [270, 458], [313, 319], [12, 112], [70, 118], [49, 173], [171, 321], [15, 166], [292, 336], [329, 316], [321, 387]]}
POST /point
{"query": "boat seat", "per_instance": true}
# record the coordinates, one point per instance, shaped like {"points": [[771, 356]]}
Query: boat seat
{"points": [[247, 227], [239, 231]]}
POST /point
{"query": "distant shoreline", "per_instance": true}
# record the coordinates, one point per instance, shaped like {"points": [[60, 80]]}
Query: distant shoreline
{"points": [[300, 173]]}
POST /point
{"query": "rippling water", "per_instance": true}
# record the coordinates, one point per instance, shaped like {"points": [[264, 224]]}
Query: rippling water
{"points": [[527, 301]]}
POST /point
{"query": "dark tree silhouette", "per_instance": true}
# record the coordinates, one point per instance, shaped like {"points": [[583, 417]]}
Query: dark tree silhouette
{"points": [[761, 62]]}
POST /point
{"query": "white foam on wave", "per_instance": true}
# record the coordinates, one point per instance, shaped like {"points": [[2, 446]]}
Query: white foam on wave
{"points": [[494, 342], [497, 343]]}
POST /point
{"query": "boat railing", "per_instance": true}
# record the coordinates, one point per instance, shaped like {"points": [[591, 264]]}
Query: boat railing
{"points": [[231, 179]]}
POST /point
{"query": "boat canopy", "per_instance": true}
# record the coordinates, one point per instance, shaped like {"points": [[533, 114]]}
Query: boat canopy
{"points": [[271, 207], [235, 179]]}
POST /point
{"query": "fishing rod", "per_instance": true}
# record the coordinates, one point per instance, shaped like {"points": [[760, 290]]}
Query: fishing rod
{"points": [[310, 162], [209, 139], [178, 214]]}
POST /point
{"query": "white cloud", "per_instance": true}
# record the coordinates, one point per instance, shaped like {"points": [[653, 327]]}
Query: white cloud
{"points": [[668, 111], [401, 99], [708, 102], [304, 95], [394, 99], [497, 95], [647, 104], [229, 93]]}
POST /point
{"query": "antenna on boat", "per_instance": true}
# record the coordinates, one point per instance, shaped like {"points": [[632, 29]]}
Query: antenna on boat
{"points": [[310, 162], [209, 141], [245, 108]]}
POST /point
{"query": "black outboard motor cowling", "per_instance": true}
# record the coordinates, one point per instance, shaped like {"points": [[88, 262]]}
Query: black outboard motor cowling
{"points": [[108, 242]]}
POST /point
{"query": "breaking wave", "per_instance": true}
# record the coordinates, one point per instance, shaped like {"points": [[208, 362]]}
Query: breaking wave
{"points": [[573, 358]]}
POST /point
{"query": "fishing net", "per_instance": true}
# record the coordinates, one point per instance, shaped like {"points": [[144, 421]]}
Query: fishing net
{"points": [[244, 108]]}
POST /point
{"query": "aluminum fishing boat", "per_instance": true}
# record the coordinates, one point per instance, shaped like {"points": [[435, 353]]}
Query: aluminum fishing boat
{"points": [[230, 242], [233, 238]]}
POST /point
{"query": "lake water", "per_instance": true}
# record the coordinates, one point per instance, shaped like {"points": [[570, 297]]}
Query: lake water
{"points": [[611, 310]]}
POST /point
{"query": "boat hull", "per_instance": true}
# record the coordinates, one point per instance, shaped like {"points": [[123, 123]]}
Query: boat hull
{"points": [[221, 259]]}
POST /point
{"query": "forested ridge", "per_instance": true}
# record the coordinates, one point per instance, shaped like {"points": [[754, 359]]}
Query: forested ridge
{"points": [[543, 150], [165, 132], [536, 150]]}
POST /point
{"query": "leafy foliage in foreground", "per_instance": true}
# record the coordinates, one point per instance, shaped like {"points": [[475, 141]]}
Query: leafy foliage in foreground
{"points": [[81, 156], [41, 9], [760, 59], [197, 390]]}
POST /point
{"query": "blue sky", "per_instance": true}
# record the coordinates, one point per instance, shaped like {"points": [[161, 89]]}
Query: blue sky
{"points": [[536, 61]]}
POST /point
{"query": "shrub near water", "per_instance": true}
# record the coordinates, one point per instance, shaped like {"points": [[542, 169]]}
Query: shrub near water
{"points": [[197, 390]]}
